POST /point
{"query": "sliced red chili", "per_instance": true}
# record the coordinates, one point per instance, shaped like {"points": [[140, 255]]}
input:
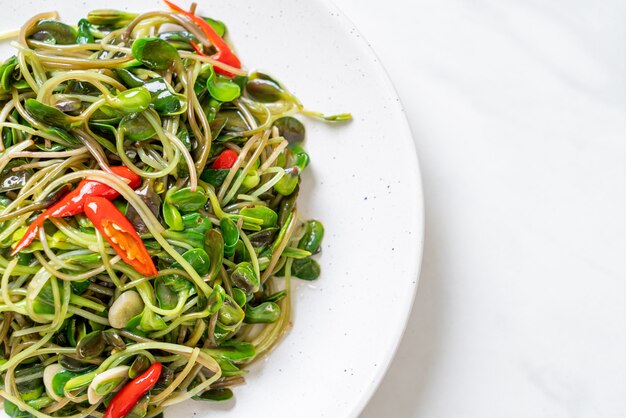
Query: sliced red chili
{"points": [[196, 48], [73, 202], [225, 160], [119, 232], [224, 53], [127, 397]]}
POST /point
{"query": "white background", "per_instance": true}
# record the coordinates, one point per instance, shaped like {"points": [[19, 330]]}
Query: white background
{"points": [[518, 109]]}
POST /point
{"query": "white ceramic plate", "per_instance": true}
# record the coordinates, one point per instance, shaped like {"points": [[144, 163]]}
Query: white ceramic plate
{"points": [[364, 185]]}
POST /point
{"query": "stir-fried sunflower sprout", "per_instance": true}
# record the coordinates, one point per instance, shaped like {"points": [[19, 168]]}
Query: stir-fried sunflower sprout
{"points": [[148, 190]]}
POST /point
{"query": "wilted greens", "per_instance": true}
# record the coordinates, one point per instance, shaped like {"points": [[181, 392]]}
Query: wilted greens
{"points": [[181, 267]]}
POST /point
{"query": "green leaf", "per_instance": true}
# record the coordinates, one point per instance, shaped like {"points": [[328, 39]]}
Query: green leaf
{"points": [[229, 368], [150, 321], [6, 73], [230, 315], [109, 17], [76, 366], [265, 313], [251, 180], [287, 183], [222, 88], [9, 137], [54, 32], [197, 222], [131, 101], [47, 114], [230, 233], [295, 253], [264, 237], [167, 103], [265, 89], [214, 177], [136, 127], [91, 345], [221, 394], [139, 365], [300, 157], [155, 53], [44, 301], [76, 330], [177, 283], [267, 215], [14, 180], [59, 380], [80, 286], [13, 411], [241, 252], [23, 259], [32, 387], [244, 277], [84, 35], [166, 296], [193, 238], [214, 246], [232, 351], [240, 296], [186, 200], [128, 78], [306, 269], [216, 299], [199, 260], [172, 217], [291, 129], [312, 239], [276, 296], [183, 135], [180, 40]]}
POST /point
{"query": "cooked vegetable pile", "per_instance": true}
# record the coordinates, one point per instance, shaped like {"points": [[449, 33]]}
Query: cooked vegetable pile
{"points": [[148, 190]]}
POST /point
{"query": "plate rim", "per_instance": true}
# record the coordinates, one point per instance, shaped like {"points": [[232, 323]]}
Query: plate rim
{"points": [[348, 26]]}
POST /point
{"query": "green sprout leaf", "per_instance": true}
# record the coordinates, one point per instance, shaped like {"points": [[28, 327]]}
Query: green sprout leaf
{"points": [[155, 53], [131, 101], [262, 213], [136, 127], [109, 17], [291, 129], [222, 88], [187, 201], [199, 260], [312, 239], [265, 313], [47, 114], [84, 35], [54, 32], [244, 277]]}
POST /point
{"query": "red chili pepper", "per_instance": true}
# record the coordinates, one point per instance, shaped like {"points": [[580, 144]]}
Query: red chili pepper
{"points": [[120, 233], [224, 53], [225, 160], [125, 400], [73, 202], [197, 49]]}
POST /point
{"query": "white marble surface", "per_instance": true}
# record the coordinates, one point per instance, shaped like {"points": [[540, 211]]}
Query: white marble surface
{"points": [[518, 109]]}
